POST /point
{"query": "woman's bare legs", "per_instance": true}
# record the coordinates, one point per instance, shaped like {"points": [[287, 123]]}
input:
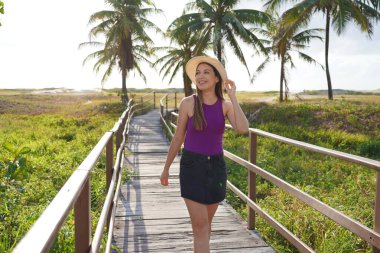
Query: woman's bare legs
{"points": [[201, 216], [211, 210]]}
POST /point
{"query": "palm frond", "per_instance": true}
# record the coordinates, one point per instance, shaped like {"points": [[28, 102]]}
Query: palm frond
{"points": [[175, 71], [273, 5], [231, 21], [107, 73], [203, 43], [203, 6], [252, 17], [137, 69], [237, 49], [189, 22], [342, 15], [309, 59], [90, 44], [260, 68], [102, 16], [304, 37]]}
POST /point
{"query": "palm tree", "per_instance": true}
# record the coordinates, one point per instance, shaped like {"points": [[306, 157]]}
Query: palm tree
{"points": [[108, 56], [337, 12], [185, 47], [221, 25], [283, 41], [123, 27]]}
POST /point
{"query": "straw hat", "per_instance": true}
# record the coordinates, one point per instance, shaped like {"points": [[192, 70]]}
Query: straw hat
{"points": [[192, 64]]}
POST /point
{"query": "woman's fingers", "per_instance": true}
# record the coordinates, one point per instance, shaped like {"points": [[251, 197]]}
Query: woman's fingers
{"points": [[229, 85], [164, 179]]}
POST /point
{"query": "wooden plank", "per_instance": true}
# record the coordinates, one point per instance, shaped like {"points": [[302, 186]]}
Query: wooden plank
{"points": [[153, 218]]}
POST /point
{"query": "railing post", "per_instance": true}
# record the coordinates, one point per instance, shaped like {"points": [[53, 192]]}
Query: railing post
{"points": [[118, 138], [175, 101], [252, 179], [377, 209], [142, 103], [82, 216], [154, 100], [109, 161], [109, 171], [171, 119], [166, 102]]}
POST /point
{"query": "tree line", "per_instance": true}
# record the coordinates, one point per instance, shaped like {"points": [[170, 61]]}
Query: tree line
{"points": [[216, 24]]}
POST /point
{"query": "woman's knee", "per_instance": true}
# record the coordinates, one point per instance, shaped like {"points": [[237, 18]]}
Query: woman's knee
{"points": [[200, 223]]}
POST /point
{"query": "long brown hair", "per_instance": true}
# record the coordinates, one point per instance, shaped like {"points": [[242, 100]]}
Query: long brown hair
{"points": [[199, 121]]}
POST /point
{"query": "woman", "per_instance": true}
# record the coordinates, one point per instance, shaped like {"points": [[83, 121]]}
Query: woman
{"points": [[201, 126]]}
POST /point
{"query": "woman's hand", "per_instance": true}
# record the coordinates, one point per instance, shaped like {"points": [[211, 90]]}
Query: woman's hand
{"points": [[164, 178], [230, 87]]}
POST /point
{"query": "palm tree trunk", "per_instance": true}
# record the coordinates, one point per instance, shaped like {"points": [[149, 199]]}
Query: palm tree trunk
{"points": [[124, 92], [126, 63], [129, 60], [219, 51], [282, 77], [327, 40], [187, 84]]}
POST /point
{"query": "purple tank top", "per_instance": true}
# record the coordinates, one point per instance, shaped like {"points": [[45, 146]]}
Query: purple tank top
{"points": [[209, 141]]}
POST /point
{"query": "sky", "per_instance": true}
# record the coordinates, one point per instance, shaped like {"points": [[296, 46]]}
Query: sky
{"points": [[39, 49]]}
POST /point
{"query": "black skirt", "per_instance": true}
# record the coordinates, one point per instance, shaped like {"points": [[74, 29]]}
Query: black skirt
{"points": [[203, 178]]}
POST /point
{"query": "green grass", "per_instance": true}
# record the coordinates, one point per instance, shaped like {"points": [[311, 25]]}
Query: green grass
{"points": [[60, 131], [348, 126]]}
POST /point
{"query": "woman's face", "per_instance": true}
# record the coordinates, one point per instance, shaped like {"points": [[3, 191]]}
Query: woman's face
{"points": [[205, 77]]}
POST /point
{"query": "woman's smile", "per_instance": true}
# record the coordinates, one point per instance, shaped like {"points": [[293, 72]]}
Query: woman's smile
{"points": [[205, 76]]}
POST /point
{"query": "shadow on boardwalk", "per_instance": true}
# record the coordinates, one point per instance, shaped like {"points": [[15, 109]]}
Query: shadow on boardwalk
{"points": [[153, 218]]}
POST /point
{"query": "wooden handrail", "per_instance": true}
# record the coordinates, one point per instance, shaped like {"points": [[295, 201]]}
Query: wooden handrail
{"points": [[372, 236], [110, 201], [45, 229], [294, 240], [107, 204], [115, 196], [75, 193], [147, 94], [162, 104], [166, 98], [143, 101], [357, 228], [163, 116], [330, 152]]}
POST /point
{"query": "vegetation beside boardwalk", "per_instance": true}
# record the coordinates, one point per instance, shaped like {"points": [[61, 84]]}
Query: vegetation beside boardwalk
{"points": [[345, 125], [44, 137]]}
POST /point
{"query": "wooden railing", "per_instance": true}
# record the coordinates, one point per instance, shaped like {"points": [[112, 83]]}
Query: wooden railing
{"points": [[372, 236], [168, 103], [166, 111], [147, 101], [75, 194]]}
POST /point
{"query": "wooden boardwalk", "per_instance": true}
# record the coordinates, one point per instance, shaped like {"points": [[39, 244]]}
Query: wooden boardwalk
{"points": [[153, 218]]}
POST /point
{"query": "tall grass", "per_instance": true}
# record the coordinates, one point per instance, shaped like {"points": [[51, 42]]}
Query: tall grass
{"points": [[60, 131], [347, 126]]}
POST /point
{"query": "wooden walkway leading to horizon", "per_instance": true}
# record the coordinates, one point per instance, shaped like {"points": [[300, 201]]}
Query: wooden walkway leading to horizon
{"points": [[153, 218]]}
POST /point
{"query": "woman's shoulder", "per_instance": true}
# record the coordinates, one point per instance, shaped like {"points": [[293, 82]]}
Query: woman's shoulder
{"points": [[187, 102], [227, 105]]}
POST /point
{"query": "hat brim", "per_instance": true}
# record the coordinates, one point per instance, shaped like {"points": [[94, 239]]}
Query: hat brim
{"points": [[192, 64]]}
